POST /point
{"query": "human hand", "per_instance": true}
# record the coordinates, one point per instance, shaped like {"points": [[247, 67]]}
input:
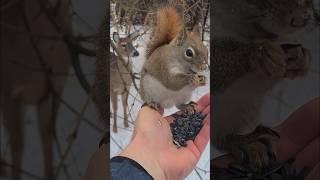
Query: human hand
{"points": [[152, 144], [303, 146]]}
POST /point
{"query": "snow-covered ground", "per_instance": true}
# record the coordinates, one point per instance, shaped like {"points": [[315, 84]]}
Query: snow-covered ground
{"points": [[122, 138]]}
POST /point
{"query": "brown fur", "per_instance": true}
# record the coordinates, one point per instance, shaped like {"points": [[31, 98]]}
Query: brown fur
{"points": [[173, 71], [169, 23], [120, 71], [247, 62]]}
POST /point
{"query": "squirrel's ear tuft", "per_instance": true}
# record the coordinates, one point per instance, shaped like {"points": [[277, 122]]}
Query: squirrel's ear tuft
{"points": [[196, 31], [167, 29], [181, 36]]}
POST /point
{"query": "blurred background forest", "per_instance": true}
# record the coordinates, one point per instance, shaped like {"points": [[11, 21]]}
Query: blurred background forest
{"points": [[49, 122]]}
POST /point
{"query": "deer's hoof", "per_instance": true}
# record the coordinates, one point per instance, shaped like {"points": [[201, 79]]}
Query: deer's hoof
{"points": [[115, 130]]}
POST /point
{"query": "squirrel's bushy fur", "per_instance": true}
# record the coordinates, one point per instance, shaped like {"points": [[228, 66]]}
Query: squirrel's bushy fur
{"points": [[174, 59], [168, 25]]}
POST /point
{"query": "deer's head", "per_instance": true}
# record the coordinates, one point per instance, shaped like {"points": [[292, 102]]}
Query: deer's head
{"points": [[124, 44]]}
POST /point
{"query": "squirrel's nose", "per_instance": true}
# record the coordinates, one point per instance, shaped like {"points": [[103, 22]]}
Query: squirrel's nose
{"points": [[136, 53]]}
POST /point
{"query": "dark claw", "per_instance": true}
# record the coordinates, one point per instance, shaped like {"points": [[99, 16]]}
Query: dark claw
{"points": [[265, 130], [253, 150], [267, 143], [153, 106], [144, 104], [189, 108]]}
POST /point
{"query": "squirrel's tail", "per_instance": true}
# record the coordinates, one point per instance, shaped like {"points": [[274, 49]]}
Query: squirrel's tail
{"points": [[168, 25]]}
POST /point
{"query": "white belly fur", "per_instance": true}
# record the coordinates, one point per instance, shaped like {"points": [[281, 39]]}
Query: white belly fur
{"points": [[155, 91]]}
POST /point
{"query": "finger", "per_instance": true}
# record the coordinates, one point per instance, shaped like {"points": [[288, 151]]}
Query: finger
{"points": [[203, 102], [187, 156], [206, 111], [170, 119], [203, 137], [148, 113], [193, 148], [148, 110]]}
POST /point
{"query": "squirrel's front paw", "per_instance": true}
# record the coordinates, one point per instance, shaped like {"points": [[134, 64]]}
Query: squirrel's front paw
{"points": [[189, 108], [198, 80], [152, 105], [273, 60], [254, 150], [298, 61]]}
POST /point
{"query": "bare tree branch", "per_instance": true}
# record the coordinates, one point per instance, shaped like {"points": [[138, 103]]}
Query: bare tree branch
{"points": [[3, 163]]}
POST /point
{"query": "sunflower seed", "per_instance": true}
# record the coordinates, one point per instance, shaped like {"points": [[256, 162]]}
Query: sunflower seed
{"points": [[186, 127]]}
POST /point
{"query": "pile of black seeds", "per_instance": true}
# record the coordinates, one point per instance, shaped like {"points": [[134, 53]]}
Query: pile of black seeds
{"points": [[186, 127]]}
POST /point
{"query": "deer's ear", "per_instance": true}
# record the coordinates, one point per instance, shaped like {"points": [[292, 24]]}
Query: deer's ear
{"points": [[115, 37], [196, 31], [179, 39]]}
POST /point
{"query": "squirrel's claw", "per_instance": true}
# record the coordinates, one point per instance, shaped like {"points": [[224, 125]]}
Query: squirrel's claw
{"points": [[152, 105], [298, 62], [254, 150], [286, 60], [189, 108], [198, 80], [273, 60]]}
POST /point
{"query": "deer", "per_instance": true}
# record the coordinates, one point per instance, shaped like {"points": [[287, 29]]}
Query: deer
{"points": [[121, 74], [27, 55]]}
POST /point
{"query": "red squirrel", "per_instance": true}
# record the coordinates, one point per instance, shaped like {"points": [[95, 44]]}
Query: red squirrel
{"points": [[175, 59], [248, 60]]}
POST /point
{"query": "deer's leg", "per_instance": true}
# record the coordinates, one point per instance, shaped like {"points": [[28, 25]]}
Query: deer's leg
{"points": [[114, 100], [125, 105], [13, 123], [46, 129]]}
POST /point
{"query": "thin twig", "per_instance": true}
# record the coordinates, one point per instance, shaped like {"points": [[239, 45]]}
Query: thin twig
{"points": [[3, 163], [198, 174], [73, 138], [87, 121], [203, 170], [115, 142]]}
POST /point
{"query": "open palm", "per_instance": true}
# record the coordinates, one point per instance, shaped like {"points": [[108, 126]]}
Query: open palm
{"points": [[176, 163]]}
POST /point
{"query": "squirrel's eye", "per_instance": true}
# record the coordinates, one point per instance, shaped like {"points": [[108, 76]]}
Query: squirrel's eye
{"points": [[189, 53]]}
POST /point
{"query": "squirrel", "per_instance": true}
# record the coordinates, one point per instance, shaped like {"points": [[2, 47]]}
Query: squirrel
{"points": [[249, 58], [175, 59]]}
